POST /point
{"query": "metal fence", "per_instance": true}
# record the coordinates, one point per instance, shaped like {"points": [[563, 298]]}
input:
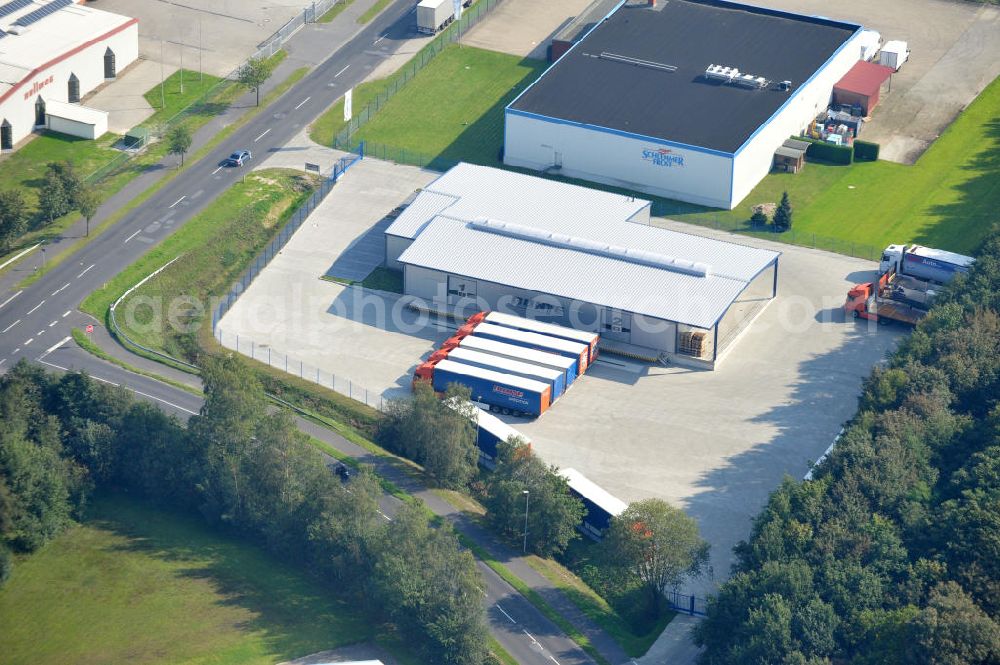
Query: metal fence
{"points": [[291, 365], [681, 602], [791, 237], [401, 78]]}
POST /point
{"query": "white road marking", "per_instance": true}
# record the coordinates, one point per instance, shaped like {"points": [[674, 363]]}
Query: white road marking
{"points": [[341, 72], [29, 341], [375, 43], [10, 326], [552, 659], [387, 518], [64, 286], [217, 170], [11, 298], [302, 102], [36, 306], [54, 347], [15, 258], [3, 361], [532, 637], [132, 236], [85, 270], [178, 201], [504, 612], [112, 383], [55, 321], [40, 332], [262, 135], [66, 313]]}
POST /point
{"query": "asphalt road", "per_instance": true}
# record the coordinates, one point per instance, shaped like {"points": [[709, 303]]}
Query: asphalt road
{"points": [[522, 630]]}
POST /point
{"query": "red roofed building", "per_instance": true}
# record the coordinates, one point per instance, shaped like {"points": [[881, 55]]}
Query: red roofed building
{"points": [[862, 85]]}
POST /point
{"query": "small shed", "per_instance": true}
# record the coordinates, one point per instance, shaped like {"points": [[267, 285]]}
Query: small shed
{"points": [[75, 120], [791, 156], [862, 85]]}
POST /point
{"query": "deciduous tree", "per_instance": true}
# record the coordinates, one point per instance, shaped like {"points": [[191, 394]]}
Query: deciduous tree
{"points": [[254, 73], [13, 217]]}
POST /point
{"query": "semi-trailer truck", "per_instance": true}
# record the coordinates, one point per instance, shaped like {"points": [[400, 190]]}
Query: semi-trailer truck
{"points": [[591, 339], [490, 432], [601, 505], [502, 350], [501, 392], [893, 297], [555, 378], [432, 15], [926, 263], [532, 340]]}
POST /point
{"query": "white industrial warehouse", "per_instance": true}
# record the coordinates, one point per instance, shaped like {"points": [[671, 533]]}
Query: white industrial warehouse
{"points": [[688, 99], [483, 238], [53, 53]]}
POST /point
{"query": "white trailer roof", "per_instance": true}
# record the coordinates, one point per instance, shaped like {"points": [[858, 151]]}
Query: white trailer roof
{"points": [[591, 491], [433, 4], [543, 358], [497, 427], [490, 375], [943, 255], [511, 321], [894, 46], [75, 112], [461, 355], [536, 339]]}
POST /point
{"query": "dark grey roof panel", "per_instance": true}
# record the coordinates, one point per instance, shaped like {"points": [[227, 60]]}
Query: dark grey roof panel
{"points": [[42, 12]]}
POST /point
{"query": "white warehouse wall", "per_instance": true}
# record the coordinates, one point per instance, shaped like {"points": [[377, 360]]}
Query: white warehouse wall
{"points": [[76, 128], [592, 154], [756, 157], [87, 64], [394, 247]]}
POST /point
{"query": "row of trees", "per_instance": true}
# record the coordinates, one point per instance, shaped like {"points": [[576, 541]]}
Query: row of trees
{"points": [[248, 471], [892, 553], [650, 548]]}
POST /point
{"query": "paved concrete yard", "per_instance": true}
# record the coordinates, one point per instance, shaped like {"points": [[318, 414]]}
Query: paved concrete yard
{"points": [[230, 30], [714, 443], [524, 27], [123, 98]]}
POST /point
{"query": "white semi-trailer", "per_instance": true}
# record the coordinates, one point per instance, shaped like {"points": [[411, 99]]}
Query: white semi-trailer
{"points": [[935, 265], [432, 15]]}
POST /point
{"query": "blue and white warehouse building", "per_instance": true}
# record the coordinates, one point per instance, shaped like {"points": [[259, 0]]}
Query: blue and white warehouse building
{"points": [[687, 100]]}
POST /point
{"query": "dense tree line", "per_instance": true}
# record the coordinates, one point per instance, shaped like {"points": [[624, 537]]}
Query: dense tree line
{"points": [[892, 553], [246, 469]]}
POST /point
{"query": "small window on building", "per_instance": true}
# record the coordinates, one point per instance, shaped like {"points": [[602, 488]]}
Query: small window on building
{"points": [[109, 64], [39, 112], [73, 92], [6, 136]]}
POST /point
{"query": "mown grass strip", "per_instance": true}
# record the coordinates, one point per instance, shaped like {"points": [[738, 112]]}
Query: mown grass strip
{"points": [[373, 11]]}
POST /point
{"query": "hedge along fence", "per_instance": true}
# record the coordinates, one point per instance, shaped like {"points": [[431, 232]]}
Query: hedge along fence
{"points": [[865, 151], [828, 152]]}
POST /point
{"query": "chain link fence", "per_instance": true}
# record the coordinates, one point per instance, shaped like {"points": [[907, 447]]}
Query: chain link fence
{"points": [[791, 237], [291, 365], [399, 80]]}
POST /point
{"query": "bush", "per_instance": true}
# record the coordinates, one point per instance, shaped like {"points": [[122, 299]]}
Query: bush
{"points": [[6, 564], [865, 151], [828, 152]]}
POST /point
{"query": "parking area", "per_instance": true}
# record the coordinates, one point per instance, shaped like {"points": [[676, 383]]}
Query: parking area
{"points": [[714, 443], [524, 27], [217, 34]]}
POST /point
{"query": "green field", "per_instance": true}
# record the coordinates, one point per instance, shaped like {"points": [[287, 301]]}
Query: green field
{"points": [[453, 110], [226, 236], [138, 585]]}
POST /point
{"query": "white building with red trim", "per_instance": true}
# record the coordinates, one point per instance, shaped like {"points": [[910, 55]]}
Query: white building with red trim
{"points": [[52, 54]]}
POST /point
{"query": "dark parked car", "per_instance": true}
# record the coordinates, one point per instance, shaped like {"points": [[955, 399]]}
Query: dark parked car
{"points": [[237, 158], [342, 470]]}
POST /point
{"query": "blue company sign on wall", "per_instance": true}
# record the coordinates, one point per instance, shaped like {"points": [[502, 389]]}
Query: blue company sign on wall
{"points": [[663, 157]]}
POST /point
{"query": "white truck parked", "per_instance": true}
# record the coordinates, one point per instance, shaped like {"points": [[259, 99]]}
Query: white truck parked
{"points": [[432, 15], [934, 265]]}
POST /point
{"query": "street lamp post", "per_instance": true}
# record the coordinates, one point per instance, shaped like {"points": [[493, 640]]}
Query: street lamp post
{"points": [[525, 546]]}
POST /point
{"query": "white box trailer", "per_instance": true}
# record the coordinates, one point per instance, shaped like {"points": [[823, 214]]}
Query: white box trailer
{"points": [[870, 40], [893, 54], [432, 15]]}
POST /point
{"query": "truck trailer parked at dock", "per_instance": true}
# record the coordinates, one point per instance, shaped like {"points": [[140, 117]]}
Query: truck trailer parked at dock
{"points": [[531, 340], [505, 393], [504, 350], [555, 378], [591, 339]]}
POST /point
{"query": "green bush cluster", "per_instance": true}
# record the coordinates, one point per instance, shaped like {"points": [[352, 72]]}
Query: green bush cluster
{"points": [[865, 151], [828, 152]]}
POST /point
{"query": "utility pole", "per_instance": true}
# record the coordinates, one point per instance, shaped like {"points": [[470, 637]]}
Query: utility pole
{"points": [[163, 96], [524, 549], [199, 51], [182, 68]]}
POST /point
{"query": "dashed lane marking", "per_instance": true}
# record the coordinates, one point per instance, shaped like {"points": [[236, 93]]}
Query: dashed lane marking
{"points": [[85, 270], [178, 201], [302, 102], [11, 298], [262, 135], [36, 307], [341, 71], [10, 326], [504, 612], [64, 286], [132, 236]]}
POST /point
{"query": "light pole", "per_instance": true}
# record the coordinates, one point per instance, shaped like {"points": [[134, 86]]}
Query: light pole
{"points": [[524, 549]]}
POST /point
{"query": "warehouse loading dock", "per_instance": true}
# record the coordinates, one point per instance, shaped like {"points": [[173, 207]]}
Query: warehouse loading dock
{"points": [[585, 259]]}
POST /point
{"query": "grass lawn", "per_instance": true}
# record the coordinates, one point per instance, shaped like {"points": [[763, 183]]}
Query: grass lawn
{"points": [[173, 100], [135, 584], [948, 199], [373, 11], [454, 108], [215, 246]]}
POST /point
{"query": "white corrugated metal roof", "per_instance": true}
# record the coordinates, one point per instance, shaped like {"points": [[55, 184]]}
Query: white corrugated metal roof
{"points": [[594, 492], [457, 241], [75, 112], [54, 35], [481, 191]]}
